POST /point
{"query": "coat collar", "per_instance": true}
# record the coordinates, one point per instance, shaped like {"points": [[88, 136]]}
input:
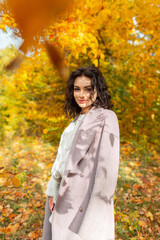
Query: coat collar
{"points": [[84, 136]]}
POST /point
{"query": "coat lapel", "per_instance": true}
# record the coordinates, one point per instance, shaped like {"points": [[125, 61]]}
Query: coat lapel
{"points": [[83, 138]]}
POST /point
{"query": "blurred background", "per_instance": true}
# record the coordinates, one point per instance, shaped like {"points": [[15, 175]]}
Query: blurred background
{"points": [[122, 38]]}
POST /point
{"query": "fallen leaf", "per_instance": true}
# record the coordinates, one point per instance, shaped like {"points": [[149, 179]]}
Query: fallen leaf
{"points": [[12, 216], [33, 235], [18, 194], [136, 186], [16, 182], [7, 211], [149, 215], [11, 228], [2, 219], [138, 201]]}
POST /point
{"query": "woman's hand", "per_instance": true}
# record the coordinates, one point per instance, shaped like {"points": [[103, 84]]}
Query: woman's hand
{"points": [[51, 204]]}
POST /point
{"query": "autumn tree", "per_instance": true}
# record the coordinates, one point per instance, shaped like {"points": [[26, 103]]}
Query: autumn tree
{"points": [[122, 39]]}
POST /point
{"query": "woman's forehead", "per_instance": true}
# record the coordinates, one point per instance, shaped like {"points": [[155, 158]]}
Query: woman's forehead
{"points": [[83, 80]]}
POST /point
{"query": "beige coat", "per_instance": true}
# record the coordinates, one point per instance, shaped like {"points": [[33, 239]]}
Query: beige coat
{"points": [[84, 208]]}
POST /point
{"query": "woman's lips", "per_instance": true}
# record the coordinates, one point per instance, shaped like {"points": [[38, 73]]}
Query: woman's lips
{"points": [[82, 101]]}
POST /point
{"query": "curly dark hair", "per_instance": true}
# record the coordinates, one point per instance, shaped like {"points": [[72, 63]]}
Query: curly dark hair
{"points": [[103, 99]]}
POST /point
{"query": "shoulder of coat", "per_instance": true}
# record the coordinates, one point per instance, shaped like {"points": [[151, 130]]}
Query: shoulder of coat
{"points": [[106, 112], [111, 124]]}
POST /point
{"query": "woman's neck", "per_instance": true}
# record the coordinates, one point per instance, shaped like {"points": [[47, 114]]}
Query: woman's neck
{"points": [[85, 110]]}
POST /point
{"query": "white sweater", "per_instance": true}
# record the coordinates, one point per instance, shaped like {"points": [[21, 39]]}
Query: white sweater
{"points": [[61, 158]]}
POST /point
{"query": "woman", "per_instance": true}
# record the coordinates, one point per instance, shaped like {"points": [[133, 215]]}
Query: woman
{"points": [[84, 175]]}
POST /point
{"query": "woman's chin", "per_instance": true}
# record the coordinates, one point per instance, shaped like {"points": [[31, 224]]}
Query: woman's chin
{"points": [[82, 105]]}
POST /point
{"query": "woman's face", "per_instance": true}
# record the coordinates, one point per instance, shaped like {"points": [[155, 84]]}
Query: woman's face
{"points": [[82, 93]]}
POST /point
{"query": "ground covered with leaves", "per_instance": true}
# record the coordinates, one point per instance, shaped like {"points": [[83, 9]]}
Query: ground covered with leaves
{"points": [[25, 171]]}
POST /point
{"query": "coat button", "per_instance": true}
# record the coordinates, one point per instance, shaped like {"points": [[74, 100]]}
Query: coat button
{"points": [[80, 209], [81, 175]]}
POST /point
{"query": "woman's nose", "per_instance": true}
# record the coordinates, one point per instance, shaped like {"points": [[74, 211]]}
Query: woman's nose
{"points": [[81, 93]]}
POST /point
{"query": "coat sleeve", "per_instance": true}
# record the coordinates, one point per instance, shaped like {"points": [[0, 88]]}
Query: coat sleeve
{"points": [[52, 189], [109, 155]]}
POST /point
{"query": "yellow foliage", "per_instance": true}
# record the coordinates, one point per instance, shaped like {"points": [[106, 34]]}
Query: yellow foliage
{"points": [[120, 37]]}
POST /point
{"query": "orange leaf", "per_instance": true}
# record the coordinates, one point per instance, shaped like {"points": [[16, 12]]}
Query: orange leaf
{"points": [[16, 182], [138, 201], [12, 216], [32, 17], [32, 235], [18, 194], [6, 211], [7, 183], [11, 228], [57, 59], [136, 186], [2, 219]]}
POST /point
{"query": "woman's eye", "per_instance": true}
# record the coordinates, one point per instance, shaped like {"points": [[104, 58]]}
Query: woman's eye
{"points": [[76, 89], [88, 89]]}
